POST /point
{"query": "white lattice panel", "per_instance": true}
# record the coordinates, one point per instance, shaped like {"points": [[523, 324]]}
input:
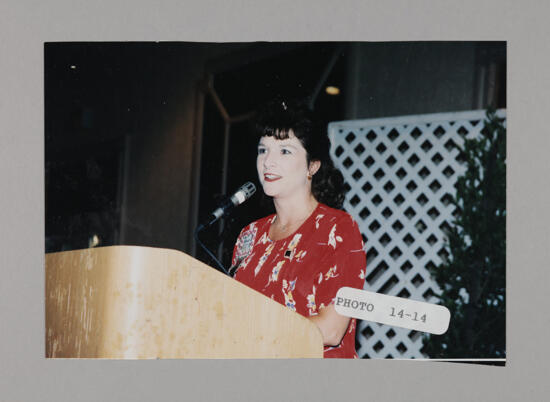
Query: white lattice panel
{"points": [[400, 174]]}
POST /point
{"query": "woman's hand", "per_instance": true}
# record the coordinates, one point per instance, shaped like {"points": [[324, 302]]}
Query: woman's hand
{"points": [[332, 325]]}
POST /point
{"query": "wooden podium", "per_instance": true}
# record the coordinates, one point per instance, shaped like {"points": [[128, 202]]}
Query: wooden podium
{"points": [[127, 302]]}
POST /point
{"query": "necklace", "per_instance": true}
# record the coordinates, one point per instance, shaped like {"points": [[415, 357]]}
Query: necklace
{"points": [[286, 227]]}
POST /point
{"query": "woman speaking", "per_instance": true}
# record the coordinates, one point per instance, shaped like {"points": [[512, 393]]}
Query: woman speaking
{"points": [[308, 249]]}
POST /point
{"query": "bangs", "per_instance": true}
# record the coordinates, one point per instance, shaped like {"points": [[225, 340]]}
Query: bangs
{"points": [[278, 133]]}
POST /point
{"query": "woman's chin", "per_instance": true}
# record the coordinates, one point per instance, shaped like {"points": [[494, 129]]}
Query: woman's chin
{"points": [[269, 189], [269, 192]]}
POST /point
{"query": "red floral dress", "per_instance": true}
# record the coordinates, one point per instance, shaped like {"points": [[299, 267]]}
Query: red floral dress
{"points": [[305, 270]]}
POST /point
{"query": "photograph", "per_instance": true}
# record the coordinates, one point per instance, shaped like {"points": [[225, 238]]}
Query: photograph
{"points": [[210, 199]]}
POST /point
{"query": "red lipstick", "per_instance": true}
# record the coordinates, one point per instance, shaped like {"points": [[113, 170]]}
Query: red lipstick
{"points": [[271, 177]]}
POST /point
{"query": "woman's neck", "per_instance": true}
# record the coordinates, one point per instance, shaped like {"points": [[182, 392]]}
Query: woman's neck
{"points": [[294, 210]]}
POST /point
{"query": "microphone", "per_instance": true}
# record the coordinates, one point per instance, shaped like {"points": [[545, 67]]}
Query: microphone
{"points": [[241, 195]]}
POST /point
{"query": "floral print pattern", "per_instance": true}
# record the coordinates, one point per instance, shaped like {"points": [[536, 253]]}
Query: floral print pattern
{"points": [[312, 307], [288, 287], [263, 258], [275, 273]]}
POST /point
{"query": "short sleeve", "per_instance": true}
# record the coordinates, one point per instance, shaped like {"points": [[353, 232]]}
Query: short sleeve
{"points": [[244, 244], [236, 249], [345, 264]]}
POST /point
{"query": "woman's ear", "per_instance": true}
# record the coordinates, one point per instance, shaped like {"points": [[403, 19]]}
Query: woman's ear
{"points": [[314, 167]]}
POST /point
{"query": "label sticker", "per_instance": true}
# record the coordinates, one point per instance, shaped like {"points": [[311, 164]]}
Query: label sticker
{"points": [[392, 310]]}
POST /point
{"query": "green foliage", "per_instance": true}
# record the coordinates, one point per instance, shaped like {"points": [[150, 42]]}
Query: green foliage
{"points": [[472, 278]]}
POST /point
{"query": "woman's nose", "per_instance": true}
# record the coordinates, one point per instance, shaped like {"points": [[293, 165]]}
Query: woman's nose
{"points": [[268, 160]]}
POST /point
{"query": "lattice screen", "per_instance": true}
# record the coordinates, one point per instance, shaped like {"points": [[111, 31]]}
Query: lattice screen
{"points": [[400, 174]]}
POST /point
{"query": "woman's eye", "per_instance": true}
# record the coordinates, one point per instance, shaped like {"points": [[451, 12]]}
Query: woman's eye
{"points": [[261, 151], [285, 151]]}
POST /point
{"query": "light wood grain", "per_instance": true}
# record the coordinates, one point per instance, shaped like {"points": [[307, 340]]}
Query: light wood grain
{"points": [[140, 302]]}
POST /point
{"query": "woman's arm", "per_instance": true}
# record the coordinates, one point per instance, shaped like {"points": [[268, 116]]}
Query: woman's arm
{"points": [[342, 268], [332, 325]]}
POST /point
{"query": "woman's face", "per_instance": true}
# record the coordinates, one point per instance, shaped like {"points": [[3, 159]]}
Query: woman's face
{"points": [[283, 168]]}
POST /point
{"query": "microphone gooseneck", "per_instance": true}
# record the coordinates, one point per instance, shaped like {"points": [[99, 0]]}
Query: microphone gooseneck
{"points": [[241, 195], [226, 206]]}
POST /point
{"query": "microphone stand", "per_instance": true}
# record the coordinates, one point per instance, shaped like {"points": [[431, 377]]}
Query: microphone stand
{"points": [[218, 263]]}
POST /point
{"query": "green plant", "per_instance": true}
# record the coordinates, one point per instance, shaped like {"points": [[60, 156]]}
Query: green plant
{"points": [[472, 279]]}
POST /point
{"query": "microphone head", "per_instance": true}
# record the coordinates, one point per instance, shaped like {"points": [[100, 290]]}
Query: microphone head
{"points": [[244, 193]]}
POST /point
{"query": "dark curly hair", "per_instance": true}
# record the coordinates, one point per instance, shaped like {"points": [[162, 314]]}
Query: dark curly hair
{"points": [[279, 118]]}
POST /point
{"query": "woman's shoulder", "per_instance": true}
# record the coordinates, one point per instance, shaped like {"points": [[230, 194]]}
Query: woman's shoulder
{"points": [[335, 215], [340, 226]]}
